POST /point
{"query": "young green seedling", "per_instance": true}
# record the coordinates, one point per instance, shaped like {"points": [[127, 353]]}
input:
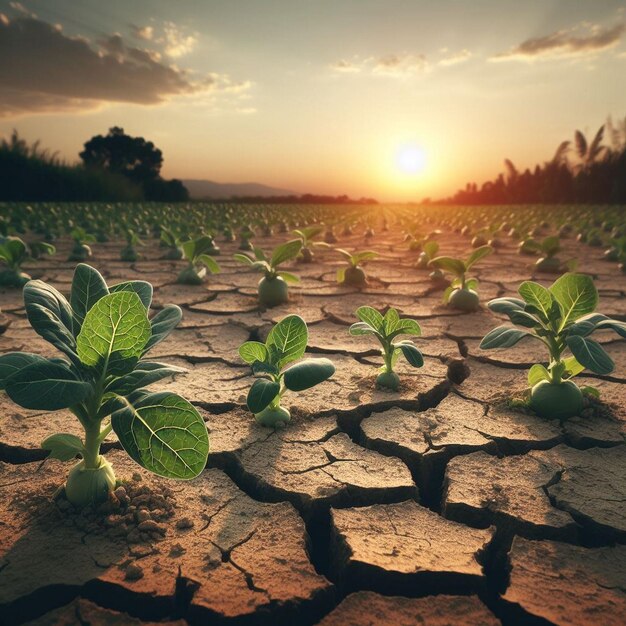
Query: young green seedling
{"points": [[386, 328], [285, 344], [561, 317], [128, 253], [197, 253], [172, 244], [429, 249], [354, 275], [307, 236], [104, 334], [273, 287], [548, 248], [461, 294], [14, 252], [80, 250]]}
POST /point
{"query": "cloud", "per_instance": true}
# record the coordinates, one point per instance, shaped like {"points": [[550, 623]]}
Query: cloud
{"points": [[145, 33], [566, 43], [176, 42], [43, 71], [390, 65], [455, 58]]}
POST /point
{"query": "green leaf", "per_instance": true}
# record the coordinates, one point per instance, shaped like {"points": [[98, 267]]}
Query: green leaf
{"points": [[591, 391], [407, 327], [13, 362], [537, 296], [49, 326], [344, 253], [362, 328], [477, 255], [587, 324], [390, 321], [454, 266], [431, 248], [576, 295], [506, 305], [63, 446], [551, 245], [502, 337], [261, 394], [590, 354], [537, 373], [209, 262], [413, 356], [146, 373], [609, 324], [88, 287], [142, 288], [361, 257], [252, 351], [341, 274], [286, 252], [189, 250], [165, 434], [243, 258], [370, 316], [162, 324], [288, 338], [447, 293], [289, 278], [114, 334], [307, 374], [46, 386], [572, 366]]}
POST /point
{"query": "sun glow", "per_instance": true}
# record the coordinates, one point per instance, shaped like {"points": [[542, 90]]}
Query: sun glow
{"points": [[411, 159]]}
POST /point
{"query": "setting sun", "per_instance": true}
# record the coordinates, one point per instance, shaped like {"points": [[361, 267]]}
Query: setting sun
{"points": [[411, 159]]}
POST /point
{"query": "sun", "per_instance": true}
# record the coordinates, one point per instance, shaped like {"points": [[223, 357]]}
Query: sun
{"points": [[410, 159]]}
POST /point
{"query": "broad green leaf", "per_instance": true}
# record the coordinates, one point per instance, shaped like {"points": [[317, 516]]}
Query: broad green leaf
{"points": [[307, 374], [288, 338], [286, 252], [411, 353], [537, 373], [471, 283], [609, 324], [370, 316], [506, 305], [576, 295], [591, 391], [344, 253], [243, 258], [572, 366], [537, 296], [590, 354], [142, 288], [407, 327], [88, 287], [189, 250], [259, 255], [15, 249], [204, 245], [454, 266], [551, 245], [46, 386], [431, 248], [390, 321], [587, 324], [146, 373], [261, 394], [36, 292], [477, 255], [63, 446], [502, 337], [209, 262], [13, 362], [252, 351], [165, 434], [362, 328], [114, 334], [51, 328], [162, 324]]}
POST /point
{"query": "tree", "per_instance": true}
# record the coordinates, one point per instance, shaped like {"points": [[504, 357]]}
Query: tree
{"points": [[119, 153]]}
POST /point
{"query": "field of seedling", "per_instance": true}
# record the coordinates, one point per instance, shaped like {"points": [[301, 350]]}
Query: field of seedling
{"points": [[335, 415]]}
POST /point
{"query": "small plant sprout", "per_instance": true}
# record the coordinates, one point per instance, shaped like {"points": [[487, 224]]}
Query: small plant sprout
{"points": [[561, 317], [462, 294], [307, 236], [354, 275], [80, 250], [548, 248], [14, 252], [386, 328], [104, 334], [197, 253], [128, 253], [429, 250], [172, 244], [273, 287], [285, 343]]}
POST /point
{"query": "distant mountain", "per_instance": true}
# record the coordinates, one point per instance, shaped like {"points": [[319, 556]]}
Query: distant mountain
{"points": [[209, 189]]}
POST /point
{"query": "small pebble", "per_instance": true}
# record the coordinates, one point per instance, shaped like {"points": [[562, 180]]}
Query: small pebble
{"points": [[133, 572]]}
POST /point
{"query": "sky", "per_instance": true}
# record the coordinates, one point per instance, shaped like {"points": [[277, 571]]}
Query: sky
{"points": [[393, 99]]}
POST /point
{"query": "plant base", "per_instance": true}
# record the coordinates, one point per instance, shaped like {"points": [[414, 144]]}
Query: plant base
{"points": [[88, 487], [189, 276], [464, 300], [388, 380], [355, 277], [273, 291], [13, 278], [556, 400], [273, 417], [548, 264]]}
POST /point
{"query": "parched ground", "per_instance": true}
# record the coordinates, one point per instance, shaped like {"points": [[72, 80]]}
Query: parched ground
{"points": [[435, 505]]}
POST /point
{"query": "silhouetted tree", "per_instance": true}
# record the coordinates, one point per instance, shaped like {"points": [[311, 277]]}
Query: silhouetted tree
{"points": [[119, 153]]}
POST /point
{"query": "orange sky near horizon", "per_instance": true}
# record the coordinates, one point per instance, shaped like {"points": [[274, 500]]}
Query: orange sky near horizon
{"points": [[317, 97]]}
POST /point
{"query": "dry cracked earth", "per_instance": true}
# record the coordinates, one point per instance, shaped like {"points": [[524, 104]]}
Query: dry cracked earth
{"points": [[434, 505]]}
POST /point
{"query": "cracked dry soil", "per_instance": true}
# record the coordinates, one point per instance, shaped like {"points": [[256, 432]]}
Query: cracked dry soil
{"points": [[434, 505]]}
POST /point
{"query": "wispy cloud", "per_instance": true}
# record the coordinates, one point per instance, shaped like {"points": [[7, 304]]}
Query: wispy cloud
{"points": [[44, 70], [454, 58], [582, 40], [389, 65]]}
